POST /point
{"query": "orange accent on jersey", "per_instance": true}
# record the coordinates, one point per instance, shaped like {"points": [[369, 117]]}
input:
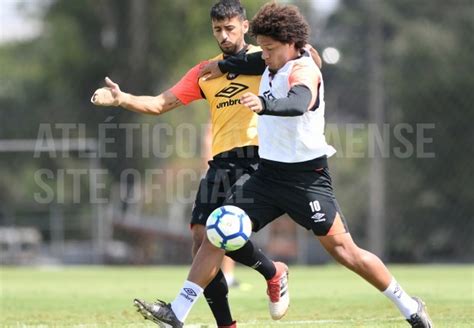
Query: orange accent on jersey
{"points": [[233, 125], [337, 226], [309, 75], [187, 89]]}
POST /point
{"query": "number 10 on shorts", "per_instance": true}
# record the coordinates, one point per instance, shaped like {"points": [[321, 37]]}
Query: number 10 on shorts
{"points": [[315, 206]]}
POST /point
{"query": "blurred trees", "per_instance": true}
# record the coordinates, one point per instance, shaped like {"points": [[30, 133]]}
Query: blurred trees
{"points": [[427, 54], [431, 51], [146, 45]]}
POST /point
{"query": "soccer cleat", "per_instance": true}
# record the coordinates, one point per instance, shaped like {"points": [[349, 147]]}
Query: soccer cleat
{"points": [[232, 325], [278, 293], [420, 319], [158, 312]]}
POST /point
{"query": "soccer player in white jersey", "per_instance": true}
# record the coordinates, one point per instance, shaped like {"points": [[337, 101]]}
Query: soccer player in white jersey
{"points": [[293, 153]]}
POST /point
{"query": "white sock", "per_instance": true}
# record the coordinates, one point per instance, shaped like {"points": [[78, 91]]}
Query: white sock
{"points": [[401, 299], [185, 300]]}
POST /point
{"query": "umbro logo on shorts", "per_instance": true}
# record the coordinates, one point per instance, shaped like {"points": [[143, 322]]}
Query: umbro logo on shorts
{"points": [[318, 217]]}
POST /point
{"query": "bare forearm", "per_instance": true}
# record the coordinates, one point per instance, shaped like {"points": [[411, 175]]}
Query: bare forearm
{"points": [[150, 105], [111, 95]]}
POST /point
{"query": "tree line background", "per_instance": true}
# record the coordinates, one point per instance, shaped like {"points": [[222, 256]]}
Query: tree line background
{"points": [[403, 64]]}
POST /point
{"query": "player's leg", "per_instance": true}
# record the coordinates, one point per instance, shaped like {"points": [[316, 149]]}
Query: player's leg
{"points": [[373, 270], [211, 195], [227, 170], [367, 265], [315, 207], [206, 264], [216, 292], [237, 168], [253, 197], [277, 281], [230, 172]]}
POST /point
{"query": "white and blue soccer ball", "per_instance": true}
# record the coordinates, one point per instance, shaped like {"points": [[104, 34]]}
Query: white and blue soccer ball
{"points": [[228, 227]]}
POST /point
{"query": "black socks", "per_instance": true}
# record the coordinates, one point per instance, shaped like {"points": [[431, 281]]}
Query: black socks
{"points": [[253, 257], [216, 296]]}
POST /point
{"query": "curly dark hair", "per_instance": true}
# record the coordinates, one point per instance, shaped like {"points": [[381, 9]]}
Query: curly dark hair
{"points": [[228, 9], [283, 23]]}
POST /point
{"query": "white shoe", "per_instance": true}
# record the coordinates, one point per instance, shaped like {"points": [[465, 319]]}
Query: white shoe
{"points": [[278, 292]]}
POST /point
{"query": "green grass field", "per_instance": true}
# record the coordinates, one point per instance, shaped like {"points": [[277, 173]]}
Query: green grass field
{"points": [[321, 296]]}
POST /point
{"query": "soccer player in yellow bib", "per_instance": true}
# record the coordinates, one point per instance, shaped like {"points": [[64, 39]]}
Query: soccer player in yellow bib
{"points": [[234, 151]]}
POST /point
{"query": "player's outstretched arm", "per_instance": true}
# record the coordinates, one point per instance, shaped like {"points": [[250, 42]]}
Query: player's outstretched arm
{"points": [[111, 95]]}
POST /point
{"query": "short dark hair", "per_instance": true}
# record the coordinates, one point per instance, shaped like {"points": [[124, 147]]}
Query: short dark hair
{"points": [[283, 23], [228, 9]]}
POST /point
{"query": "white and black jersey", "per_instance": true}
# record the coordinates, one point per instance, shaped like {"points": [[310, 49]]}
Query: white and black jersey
{"points": [[293, 132]]}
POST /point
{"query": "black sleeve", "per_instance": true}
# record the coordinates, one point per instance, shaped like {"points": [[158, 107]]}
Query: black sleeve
{"points": [[246, 64], [295, 104]]}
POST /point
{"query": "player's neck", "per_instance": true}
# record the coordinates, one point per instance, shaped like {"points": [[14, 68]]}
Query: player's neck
{"points": [[295, 54], [243, 48]]}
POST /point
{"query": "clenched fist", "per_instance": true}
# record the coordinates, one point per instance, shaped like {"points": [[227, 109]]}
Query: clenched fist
{"points": [[110, 95]]}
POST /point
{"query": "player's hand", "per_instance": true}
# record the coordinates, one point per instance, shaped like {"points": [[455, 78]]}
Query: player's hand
{"points": [[252, 101], [210, 70], [110, 95], [314, 54]]}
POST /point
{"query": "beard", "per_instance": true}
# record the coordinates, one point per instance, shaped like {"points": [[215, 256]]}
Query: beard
{"points": [[231, 50]]}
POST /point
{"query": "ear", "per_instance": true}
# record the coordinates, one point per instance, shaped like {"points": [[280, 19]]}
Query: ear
{"points": [[245, 26]]}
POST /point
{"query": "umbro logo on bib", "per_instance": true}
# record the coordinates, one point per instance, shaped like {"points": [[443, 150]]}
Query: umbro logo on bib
{"points": [[231, 90]]}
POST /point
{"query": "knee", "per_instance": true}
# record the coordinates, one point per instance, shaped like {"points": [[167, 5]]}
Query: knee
{"points": [[200, 241]]}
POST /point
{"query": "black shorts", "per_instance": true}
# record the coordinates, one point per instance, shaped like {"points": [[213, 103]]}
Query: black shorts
{"points": [[303, 192], [225, 170]]}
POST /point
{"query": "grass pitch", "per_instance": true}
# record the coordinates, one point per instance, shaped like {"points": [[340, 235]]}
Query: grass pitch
{"points": [[321, 296]]}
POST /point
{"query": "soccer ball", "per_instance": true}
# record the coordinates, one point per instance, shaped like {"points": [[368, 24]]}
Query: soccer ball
{"points": [[228, 227]]}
